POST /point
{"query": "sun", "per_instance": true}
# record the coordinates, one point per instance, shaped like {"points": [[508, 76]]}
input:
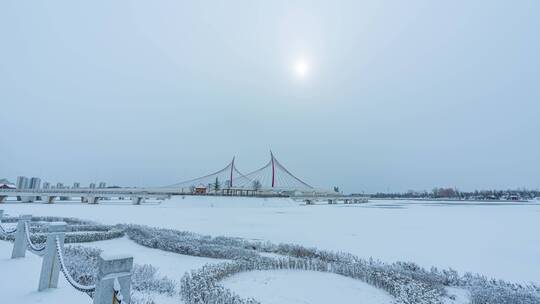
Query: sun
{"points": [[301, 68]]}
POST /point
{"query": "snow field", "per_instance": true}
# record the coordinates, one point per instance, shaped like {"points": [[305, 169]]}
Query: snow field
{"points": [[19, 281], [497, 240], [290, 286]]}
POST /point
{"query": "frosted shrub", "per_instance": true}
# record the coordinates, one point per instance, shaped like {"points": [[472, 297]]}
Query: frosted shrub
{"points": [[82, 263], [407, 282], [77, 236], [77, 231], [201, 286], [137, 298], [188, 243], [68, 220], [144, 278]]}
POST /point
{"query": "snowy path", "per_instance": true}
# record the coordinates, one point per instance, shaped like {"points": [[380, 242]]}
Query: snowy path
{"points": [[19, 281]]}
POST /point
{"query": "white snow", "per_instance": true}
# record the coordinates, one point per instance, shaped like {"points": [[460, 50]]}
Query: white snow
{"points": [[498, 240], [19, 281], [172, 265], [291, 287]]}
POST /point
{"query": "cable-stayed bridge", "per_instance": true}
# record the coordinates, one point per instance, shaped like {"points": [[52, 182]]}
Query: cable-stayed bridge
{"points": [[272, 177]]}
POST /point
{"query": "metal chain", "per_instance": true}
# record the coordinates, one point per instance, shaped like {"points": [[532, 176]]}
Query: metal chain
{"points": [[32, 246], [8, 231], [118, 296], [71, 281]]}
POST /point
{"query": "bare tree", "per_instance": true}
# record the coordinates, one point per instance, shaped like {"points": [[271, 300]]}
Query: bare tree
{"points": [[257, 185]]}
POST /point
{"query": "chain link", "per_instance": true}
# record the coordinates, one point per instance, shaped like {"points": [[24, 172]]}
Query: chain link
{"points": [[118, 296], [8, 231], [31, 245], [72, 282]]}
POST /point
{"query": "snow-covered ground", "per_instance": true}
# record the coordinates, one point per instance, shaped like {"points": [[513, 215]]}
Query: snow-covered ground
{"points": [[290, 287], [169, 264], [19, 281], [500, 240]]}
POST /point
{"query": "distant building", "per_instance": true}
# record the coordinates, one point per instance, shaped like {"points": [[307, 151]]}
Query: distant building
{"points": [[59, 186], [102, 185], [76, 185], [46, 185], [92, 185], [7, 186], [200, 189], [35, 183], [22, 182]]}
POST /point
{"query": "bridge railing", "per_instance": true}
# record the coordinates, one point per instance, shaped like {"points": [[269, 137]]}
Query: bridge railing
{"points": [[78, 191], [113, 282]]}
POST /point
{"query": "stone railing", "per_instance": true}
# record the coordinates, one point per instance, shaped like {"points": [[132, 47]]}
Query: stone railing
{"points": [[113, 284]]}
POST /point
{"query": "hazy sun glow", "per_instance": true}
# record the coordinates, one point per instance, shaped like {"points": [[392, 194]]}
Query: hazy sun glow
{"points": [[301, 68]]}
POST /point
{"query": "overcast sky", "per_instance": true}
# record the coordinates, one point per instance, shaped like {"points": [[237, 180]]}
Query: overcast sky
{"points": [[390, 96]]}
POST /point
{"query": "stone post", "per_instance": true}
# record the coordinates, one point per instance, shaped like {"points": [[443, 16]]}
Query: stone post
{"points": [[1, 215], [3, 198], [19, 247], [50, 267], [111, 269]]}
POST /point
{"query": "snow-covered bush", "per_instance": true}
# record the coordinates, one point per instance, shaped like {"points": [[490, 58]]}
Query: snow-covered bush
{"points": [[405, 288], [407, 282], [77, 231], [82, 263], [68, 220], [202, 285], [487, 291], [188, 243], [75, 235], [145, 278]]}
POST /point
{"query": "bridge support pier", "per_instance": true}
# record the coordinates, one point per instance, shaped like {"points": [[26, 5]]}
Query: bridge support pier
{"points": [[92, 199], [50, 269], [3, 199], [48, 199], [137, 200], [28, 199]]}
